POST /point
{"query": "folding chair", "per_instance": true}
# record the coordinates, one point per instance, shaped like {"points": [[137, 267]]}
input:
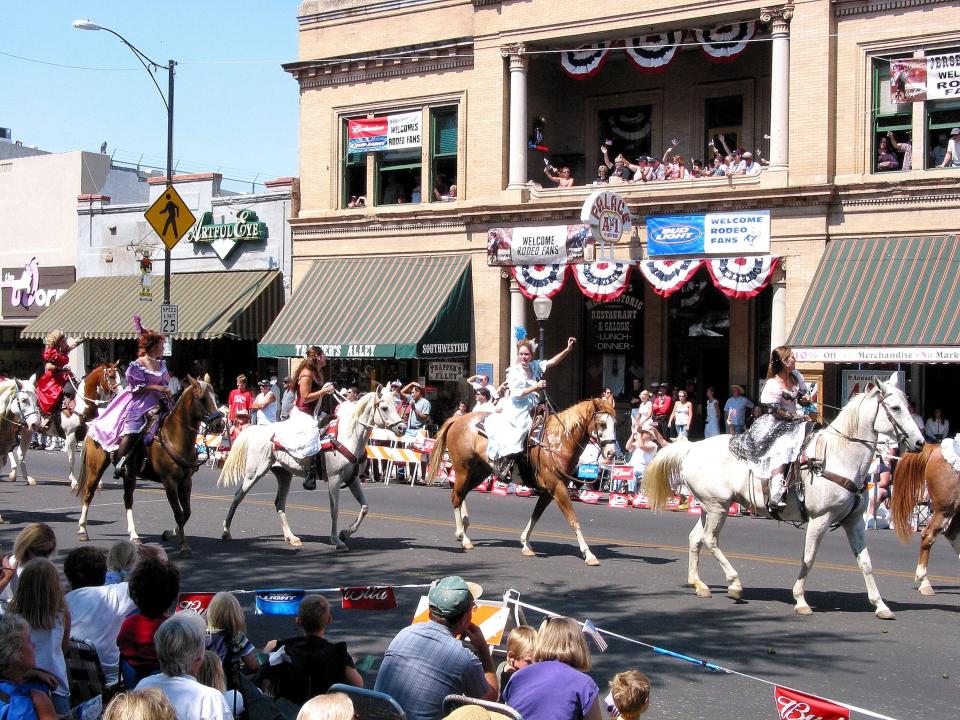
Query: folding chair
{"points": [[370, 704], [452, 702], [86, 675]]}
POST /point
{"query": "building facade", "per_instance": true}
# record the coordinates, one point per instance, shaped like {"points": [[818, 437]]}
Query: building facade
{"points": [[402, 101]]}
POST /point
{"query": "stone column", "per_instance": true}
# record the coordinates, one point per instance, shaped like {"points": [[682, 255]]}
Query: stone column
{"points": [[517, 165], [778, 311], [779, 19], [518, 308]]}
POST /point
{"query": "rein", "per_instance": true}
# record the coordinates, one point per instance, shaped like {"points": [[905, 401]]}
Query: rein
{"points": [[188, 465]]}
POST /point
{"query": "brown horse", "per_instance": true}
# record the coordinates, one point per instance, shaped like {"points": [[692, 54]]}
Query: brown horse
{"points": [[97, 388], [551, 463], [171, 460], [943, 483]]}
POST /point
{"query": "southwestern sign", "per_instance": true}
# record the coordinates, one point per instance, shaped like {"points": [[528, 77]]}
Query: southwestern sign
{"points": [[225, 237], [30, 289]]}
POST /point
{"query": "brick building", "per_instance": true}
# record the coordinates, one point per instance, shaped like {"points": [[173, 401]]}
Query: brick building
{"points": [[461, 84]]}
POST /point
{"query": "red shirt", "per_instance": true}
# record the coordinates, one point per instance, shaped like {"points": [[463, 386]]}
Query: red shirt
{"points": [[239, 400], [662, 404], [136, 642]]}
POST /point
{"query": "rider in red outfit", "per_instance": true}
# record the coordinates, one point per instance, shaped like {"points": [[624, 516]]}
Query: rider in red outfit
{"points": [[52, 384]]}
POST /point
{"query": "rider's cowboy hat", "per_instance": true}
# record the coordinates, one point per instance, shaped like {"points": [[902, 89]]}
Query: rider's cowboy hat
{"points": [[739, 387]]}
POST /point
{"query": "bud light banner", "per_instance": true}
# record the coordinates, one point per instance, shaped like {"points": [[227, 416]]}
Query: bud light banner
{"points": [[727, 233], [198, 601], [368, 598], [278, 602], [795, 705]]}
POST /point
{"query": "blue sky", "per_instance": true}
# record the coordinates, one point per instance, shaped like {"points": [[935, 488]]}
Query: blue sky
{"points": [[236, 110]]}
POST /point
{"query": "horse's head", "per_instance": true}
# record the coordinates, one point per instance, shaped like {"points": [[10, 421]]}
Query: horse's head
{"points": [[109, 383], [603, 427], [201, 405], [893, 415], [21, 406], [386, 414]]}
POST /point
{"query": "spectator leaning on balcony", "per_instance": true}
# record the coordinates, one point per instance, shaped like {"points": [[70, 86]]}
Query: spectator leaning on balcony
{"points": [[619, 170], [563, 179], [952, 158], [603, 176], [750, 168]]}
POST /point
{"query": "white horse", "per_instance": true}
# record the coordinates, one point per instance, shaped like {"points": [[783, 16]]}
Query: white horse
{"points": [[833, 483], [96, 389], [254, 453], [19, 415]]}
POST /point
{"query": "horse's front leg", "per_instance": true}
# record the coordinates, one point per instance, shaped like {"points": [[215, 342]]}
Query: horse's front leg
{"points": [[71, 441], [178, 495], [856, 536], [356, 489], [18, 458], [280, 503], [710, 538], [562, 498], [542, 501], [129, 485]]}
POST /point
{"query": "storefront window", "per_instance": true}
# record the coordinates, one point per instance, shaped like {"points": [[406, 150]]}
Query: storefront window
{"points": [[699, 317], [354, 176], [940, 116], [888, 117], [398, 177], [443, 153]]}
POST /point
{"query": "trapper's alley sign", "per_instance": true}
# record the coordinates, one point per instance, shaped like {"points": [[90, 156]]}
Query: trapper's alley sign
{"points": [[225, 237]]}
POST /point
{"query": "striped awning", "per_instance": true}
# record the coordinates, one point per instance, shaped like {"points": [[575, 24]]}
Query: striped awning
{"points": [[237, 304], [383, 307], [883, 300]]}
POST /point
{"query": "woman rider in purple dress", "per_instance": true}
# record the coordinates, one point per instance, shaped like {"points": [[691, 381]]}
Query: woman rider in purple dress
{"points": [[118, 427]]}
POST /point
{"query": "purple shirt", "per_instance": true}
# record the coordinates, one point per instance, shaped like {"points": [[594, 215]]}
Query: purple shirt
{"points": [[551, 690]]}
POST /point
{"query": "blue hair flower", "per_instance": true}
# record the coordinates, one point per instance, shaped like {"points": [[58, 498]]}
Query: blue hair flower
{"points": [[520, 333]]}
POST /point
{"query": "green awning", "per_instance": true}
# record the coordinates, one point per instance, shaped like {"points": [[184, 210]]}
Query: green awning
{"points": [[382, 307], [883, 294], [237, 304]]}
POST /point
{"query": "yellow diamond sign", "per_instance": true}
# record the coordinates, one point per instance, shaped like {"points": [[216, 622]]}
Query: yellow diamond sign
{"points": [[170, 217]]}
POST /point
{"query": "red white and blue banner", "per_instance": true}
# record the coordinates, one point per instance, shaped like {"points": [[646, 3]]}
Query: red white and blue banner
{"points": [[393, 132], [540, 280], [724, 43], [653, 53], [585, 61], [742, 277], [668, 276], [602, 281], [723, 233]]}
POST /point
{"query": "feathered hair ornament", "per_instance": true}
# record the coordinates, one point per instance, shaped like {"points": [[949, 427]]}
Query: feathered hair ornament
{"points": [[138, 325], [520, 335]]}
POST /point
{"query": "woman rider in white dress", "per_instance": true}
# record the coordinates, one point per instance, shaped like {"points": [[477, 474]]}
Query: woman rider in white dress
{"points": [[776, 438], [507, 429]]}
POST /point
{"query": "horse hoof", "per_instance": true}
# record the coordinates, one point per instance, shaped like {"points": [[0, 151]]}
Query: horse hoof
{"points": [[165, 535], [528, 552], [803, 610], [927, 590], [342, 547], [294, 541], [735, 593], [703, 591], [136, 541], [226, 536], [592, 562], [884, 613], [31, 481], [83, 537], [467, 545], [344, 536]]}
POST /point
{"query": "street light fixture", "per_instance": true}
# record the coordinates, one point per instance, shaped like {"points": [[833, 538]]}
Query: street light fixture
{"points": [[151, 66], [542, 306]]}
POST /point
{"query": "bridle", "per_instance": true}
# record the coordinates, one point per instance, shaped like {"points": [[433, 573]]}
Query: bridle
{"points": [[205, 422], [380, 415], [110, 387], [899, 432], [20, 411]]}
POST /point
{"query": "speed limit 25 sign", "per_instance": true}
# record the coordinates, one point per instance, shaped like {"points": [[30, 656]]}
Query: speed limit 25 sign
{"points": [[169, 319]]}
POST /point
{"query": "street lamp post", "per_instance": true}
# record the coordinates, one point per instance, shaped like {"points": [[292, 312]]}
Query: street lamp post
{"points": [[150, 66], [542, 307]]}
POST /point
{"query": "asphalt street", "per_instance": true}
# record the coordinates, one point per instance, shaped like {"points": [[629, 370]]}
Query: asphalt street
{"points": [[904, 668]]}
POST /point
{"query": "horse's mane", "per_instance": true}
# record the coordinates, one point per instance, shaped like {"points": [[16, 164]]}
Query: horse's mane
{"points": [[8, 388], [847, 422], [573, 419], [362, 406]]}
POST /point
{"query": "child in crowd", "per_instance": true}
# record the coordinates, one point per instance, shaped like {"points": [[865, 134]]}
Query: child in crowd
{"points": [[629, 695], [335, 706], [226, 633], [146, 704], [520, 643], [303, 667], [39, 600], [211, 675], [35, 540], [154, 585], [120, 561]]}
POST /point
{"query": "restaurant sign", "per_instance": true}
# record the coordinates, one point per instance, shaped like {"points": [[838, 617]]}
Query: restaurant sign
{"points": [[224, 238], [615, 326], [30, 289]]}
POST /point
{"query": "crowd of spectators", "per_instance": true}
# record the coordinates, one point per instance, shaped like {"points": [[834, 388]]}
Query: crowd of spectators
{"points": [[194, 667]]}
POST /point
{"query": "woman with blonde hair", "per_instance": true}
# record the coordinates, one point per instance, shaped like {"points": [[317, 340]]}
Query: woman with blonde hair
{"points": [[39, 600], [35, 540], [226, 633], [335, 706], [145, 704], [121, 559], [211, 674], [52, 385], [556, 686]]}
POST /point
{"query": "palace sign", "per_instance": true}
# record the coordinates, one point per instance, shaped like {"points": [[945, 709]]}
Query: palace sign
{"points": [[225, 237], [607, 215]]}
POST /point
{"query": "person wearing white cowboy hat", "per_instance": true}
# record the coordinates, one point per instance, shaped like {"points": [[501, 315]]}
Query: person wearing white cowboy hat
{"points": [[426, 661], [952, 158], [735, 410]]}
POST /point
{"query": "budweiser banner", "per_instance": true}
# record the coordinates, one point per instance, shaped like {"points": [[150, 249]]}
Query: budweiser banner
{"points": [[278, 602], [371, 597], [540, 245], [795, 705], [198, 602], [393, 132]]}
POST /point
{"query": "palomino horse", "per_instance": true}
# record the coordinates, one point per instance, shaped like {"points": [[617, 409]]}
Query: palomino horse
{"points": [[552, 463], [94, 392], [833, 482], [254, 453], [171, 459], [943, 483], [19, 415]]}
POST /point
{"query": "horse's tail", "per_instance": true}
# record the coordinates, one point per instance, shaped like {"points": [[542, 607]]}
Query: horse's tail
{"points": [[908, 482], [235, 466], [82, 480], [439, 447], [657, 477]]}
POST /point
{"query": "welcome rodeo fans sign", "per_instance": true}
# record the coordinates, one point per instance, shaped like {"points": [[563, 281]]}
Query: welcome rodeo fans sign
{"points": [[393, 132]]}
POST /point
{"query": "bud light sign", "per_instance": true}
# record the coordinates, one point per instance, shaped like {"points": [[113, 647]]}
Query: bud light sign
{"points": [[278, 602], [730, 234]]}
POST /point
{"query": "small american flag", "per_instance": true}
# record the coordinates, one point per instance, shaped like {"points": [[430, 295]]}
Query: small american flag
{"points": [[590, 629]]}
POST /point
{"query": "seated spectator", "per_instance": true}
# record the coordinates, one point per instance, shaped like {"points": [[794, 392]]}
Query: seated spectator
{"points": [[140, 705], [96, 610], [180, 644], [937, 427], [35, 540], [426, 662], [39, 600], [718, 168], [302, 667], [642, 446], [211, 674], [603, 176], [886, 160], [630, 692], [563, 179], [484, 401], [520, 644], [335, 706], [697, 171], [750, 168], [556, 686], [154, 586], [461, 408], [120, 562], [17, 663], [226, 630]]}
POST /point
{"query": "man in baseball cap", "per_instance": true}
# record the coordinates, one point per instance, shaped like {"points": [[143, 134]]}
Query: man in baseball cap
{"points": [[426, 661], [952, 158]]}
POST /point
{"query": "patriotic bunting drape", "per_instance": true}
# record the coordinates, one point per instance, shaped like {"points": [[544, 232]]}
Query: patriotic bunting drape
{"points": [[603, 281], [585, 61], [652, 53], [724, 42]]}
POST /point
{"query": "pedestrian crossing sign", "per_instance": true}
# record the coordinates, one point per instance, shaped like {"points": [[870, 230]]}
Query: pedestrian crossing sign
{"points": [[170, 217]]}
